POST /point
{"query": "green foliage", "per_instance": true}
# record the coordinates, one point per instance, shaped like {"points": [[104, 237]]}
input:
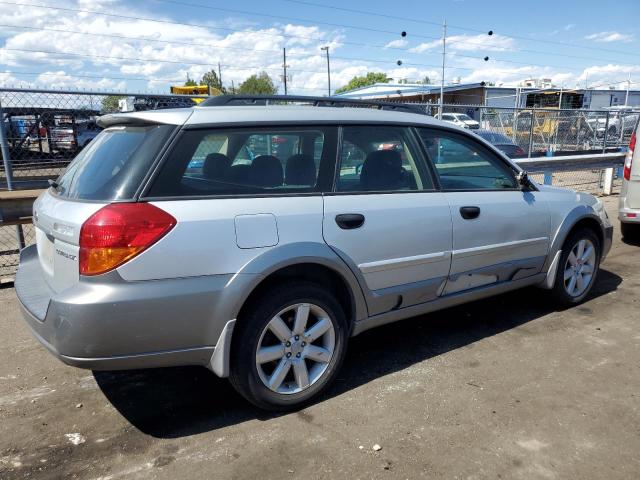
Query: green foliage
{"points": [[110, 103], [190, 82], [363, 81], [212, 80], [425, 81], [258, 85]]}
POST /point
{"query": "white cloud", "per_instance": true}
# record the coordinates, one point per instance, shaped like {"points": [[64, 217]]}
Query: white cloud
{"points": [[470, 43], [610, 37], [569, 26], [399, 43], [249, 49]]}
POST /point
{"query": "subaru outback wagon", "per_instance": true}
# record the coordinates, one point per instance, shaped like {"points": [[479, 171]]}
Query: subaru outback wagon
{"points": [[256, 239]]}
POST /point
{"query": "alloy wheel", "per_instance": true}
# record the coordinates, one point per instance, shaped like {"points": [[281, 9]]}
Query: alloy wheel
{"points": [[580, 267], [295, 348]]}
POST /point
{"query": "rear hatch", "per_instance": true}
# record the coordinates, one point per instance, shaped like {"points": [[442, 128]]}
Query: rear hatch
{"points": [[110, 169]]}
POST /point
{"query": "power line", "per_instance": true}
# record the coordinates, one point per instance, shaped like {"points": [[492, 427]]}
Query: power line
{"points": [[208, 27], [175, 42], [410, 50], [184, 24], [101, 77], [384, 15], [207, 64], [454, 42], [282, 17]]}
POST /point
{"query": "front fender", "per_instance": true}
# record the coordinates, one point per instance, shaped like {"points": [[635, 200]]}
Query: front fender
{"points": [[559, 236]]}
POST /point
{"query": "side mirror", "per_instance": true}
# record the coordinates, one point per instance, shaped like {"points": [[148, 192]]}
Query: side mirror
{"points": [[523, 179]]}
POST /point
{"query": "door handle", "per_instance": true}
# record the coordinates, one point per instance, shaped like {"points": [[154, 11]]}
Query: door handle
{"points": [[348, 221], [469, 213]]}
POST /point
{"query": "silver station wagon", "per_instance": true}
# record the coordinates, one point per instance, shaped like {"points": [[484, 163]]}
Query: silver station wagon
{"points": [[255, 235]]}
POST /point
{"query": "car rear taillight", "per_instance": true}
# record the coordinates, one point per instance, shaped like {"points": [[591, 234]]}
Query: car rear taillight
{"points": [[118, 232], [628, 161]]}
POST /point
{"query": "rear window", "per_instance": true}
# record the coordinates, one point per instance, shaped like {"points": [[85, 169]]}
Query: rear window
{"points": [[113, 165], [248, 161]]}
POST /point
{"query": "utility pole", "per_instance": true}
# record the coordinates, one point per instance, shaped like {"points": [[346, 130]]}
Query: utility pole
{"points": [[284, 66], [220, 76], [326, 49], [560, 99], [444, 56], [626, 95]]}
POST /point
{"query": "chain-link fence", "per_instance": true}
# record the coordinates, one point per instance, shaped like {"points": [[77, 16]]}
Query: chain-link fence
{"points": [[538, 132], [541, 131], [43, 130]]}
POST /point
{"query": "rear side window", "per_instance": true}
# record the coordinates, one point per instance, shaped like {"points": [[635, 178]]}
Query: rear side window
{"points": [[379, 158], [463, 164], [247, 161], [113, 165]]}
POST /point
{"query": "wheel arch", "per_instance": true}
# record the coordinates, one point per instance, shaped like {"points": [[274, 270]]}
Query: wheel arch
{"points": [[580, 217], [305, 261]]}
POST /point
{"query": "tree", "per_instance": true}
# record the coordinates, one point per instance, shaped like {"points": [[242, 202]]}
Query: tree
{"points": [[212, 80], [190, 82], [258, 85], [363, 81], [425, 81], [110, 103]]}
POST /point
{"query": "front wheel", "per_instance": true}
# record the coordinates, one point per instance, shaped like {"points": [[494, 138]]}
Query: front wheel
{"points": [[578, 267], [288, 346]]}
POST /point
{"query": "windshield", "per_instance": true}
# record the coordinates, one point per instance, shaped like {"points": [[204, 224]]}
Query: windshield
{"points": [[464, 117], [113, 165]]}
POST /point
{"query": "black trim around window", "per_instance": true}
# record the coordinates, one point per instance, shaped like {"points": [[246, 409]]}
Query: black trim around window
{"points": [[508, 167], [323, 181], [413, 143], [328, 172]]}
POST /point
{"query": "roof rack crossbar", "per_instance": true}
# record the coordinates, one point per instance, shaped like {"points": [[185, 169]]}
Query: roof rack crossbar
{"points": [[239, 100]]}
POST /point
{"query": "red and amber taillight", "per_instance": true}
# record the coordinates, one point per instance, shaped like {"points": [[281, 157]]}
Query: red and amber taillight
{"points": [[628, 161], [118, 232]]}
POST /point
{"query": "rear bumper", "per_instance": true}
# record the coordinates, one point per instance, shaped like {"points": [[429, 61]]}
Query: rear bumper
{"points": [[105, 323], [623, 215]]}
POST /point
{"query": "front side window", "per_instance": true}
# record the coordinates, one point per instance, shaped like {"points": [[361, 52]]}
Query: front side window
{"points": [[244, 161], [379, 158], [463, 164]]}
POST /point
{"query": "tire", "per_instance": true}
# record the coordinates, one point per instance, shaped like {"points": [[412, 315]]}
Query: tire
{"points": [[575, 278], [630, 231], [259, 379]]}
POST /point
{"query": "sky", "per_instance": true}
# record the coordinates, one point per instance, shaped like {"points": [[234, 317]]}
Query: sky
{"points": [[146, 46]]}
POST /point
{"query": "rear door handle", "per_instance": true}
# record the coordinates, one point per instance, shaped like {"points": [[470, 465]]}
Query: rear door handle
{"points": [[469, 213], [348, 221]]}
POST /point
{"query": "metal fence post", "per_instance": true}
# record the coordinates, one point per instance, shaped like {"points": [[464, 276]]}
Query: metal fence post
{"points": [[606, 133], [4, 145], [8, 171], [533, 117]]}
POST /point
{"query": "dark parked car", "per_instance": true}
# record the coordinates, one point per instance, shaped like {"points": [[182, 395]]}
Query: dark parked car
{"points": [[501, 142]]}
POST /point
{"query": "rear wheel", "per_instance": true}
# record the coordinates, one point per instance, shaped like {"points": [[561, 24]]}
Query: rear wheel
{"points": [[578, 267], [288, 346]]}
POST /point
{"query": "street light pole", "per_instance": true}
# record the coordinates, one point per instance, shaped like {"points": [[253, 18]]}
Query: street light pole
{"points": [[326, 49]]}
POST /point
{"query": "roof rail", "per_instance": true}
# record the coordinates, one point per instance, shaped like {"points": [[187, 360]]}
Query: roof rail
{"points": [[240, 100]]}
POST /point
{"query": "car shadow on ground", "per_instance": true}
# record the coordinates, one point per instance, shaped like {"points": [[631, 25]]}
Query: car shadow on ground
{"points": [[177, 402], [634, 241]]}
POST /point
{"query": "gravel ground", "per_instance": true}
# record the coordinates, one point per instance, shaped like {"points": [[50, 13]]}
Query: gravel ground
{"points": [[507, 388]]}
